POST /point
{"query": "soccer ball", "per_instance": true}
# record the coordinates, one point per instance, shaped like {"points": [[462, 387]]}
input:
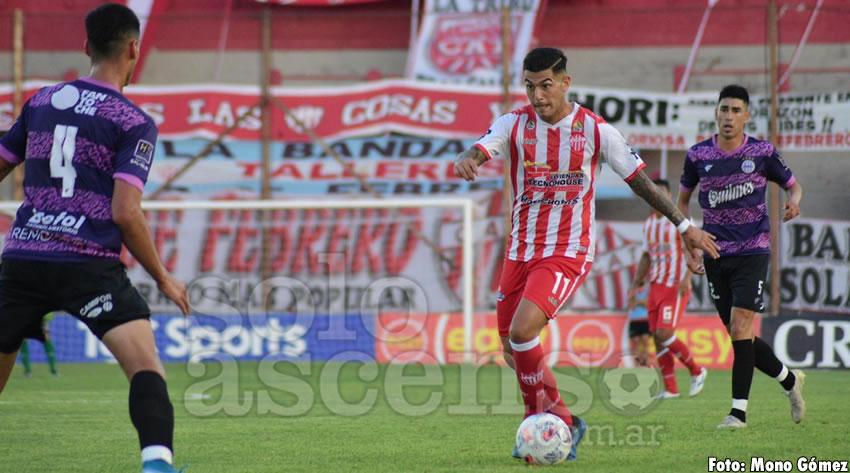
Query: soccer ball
{"points": [[543, 439]]}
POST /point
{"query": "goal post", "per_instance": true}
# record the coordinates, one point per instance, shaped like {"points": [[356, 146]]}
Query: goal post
{"points": [[236, 210]]}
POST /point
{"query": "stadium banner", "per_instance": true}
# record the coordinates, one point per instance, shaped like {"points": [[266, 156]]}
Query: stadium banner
{"points": [[353, 260], [593, 340], [317, 3], [811, 122], [226, 337], [815, 274], [809, 340], [393, 165], [460, 41]]}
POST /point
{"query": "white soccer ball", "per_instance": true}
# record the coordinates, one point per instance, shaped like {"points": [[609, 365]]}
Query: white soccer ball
{"points": [[543, 439]]}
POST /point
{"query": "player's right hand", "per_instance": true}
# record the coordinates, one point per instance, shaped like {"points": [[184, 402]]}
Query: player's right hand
{"points": [[176, 291], [466, 169], [698, 239]]}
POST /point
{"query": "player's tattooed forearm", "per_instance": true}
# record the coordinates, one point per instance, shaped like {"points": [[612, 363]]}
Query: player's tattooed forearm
{"points": [[474, 153], [643, 187]]}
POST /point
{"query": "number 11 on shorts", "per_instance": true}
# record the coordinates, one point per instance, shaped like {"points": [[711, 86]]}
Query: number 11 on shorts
{"points": [[559, 277]]}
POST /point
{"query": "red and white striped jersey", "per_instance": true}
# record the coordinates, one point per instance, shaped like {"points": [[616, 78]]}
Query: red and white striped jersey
{"points": [[663, 243], [554, 171]]}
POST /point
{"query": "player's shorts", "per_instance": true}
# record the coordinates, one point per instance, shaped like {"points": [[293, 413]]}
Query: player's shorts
{"points": [[665, 306], [638, 328], [736, 281], [547, 282], [98, 293]]}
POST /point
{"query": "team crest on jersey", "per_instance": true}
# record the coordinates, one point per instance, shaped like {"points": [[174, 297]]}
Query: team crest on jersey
{"points": [[578, 127], [748, 166], [531, 124], [577, 142]]}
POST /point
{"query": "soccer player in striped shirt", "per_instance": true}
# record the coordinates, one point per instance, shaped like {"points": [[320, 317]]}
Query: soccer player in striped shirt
{"points": [[663, 263], [732, 170], [555, 150], [87, 151]]}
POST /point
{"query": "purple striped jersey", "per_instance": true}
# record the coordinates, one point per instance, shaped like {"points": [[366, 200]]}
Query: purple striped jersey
{"points": [[732, 189], [75, 139]]}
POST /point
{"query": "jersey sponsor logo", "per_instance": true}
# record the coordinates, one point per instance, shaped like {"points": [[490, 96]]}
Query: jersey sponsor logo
{"points": [[97, 306], [526, 200], [51, 222], [84, 101], [144, 151], [65, 98], [708, 167], [748, 166], [529, 141], [730, 193]]}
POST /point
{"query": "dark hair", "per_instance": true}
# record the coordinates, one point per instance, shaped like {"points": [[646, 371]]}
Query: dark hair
{"points": [[541, 59], [735, 92], [108, 27], [662, 183]]}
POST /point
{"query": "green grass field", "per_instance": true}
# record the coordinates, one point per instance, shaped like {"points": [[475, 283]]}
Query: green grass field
{"points": [[371, 418]]}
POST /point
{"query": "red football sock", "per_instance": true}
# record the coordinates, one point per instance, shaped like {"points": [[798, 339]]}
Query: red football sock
{"points": [[681, 351], [667, 363], [537, 382]]}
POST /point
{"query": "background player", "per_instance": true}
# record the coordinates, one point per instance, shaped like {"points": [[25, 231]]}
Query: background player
{"points": [[87, 152], [732, 170], [556, 149], [42, 334], [639, 325], [662, 264]]}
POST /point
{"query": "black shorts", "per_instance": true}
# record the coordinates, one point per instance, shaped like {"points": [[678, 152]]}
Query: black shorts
{"points": [[98, 293], [737, 281], [638, 328]]}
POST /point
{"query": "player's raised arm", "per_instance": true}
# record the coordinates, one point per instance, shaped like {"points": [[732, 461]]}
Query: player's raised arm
{"points": [[494, 143], [695, 239]]}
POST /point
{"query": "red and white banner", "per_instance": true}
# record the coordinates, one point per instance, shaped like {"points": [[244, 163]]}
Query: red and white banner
{"points": [[812, 122], [316, 3], [594, 340], [461, 41]]}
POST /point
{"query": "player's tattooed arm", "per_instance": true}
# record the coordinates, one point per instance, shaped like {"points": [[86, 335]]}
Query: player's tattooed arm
{"points": [[643, 187], [695, 239], [467, 163]]}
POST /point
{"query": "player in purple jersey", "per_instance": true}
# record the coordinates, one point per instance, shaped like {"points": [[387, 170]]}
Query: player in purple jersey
{"points": [[732, 170], [87, 152]]}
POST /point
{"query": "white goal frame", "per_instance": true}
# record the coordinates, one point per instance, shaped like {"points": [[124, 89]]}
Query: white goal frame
{"points": [[464, 204]]}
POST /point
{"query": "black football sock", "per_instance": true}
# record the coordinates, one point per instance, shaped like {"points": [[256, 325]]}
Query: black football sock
{"points": [[742, 377], [769, 364], [152, 415]]}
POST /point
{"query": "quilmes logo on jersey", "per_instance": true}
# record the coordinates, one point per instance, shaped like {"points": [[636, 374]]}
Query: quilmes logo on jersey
{"points": [[51, 222], [730, 193], [97, 306]]}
